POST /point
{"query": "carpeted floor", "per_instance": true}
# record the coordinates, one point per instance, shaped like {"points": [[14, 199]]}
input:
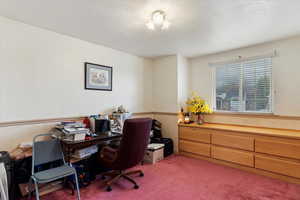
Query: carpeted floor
{"points": [[181, 178]]}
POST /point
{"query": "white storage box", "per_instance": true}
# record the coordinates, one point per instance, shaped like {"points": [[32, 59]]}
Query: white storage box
{"points": [[82, 153], [154, 153]]}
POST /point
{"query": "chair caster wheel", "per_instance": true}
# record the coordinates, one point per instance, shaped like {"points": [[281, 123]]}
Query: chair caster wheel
{"points": [[108, 189], [136, 187], [141, 174]]}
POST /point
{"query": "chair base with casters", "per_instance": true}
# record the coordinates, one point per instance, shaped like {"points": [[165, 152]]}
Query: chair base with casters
{"points": [[118, 174], [130, 153]]}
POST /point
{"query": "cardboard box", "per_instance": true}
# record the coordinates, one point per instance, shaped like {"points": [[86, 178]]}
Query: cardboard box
{"points": [[154, 155]]}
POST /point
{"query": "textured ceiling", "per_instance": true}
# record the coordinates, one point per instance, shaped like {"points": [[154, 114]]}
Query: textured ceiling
{"points": [[198, 26]]}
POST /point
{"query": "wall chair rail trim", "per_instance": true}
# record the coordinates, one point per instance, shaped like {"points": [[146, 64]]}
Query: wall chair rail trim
{"points": [[52, 120]]}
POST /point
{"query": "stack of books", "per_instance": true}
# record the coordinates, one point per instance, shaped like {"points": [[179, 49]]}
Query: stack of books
{"points": [[73, 131]]}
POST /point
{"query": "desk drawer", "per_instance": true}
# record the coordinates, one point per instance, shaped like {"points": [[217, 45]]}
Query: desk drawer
{"points": [[195, 134], [278, 148], [288, 168], [194, 147], [235, 156], [239, 142]]}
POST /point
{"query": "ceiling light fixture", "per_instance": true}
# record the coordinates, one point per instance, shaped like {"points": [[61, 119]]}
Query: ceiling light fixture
{"points": [[159, 20]]}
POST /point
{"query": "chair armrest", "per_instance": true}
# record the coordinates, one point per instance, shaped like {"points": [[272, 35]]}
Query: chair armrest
{"points": [[108, 154]]}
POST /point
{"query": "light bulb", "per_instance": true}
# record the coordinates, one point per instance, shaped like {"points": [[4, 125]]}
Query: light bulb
{"points": [[150, 25], [157, 18]]}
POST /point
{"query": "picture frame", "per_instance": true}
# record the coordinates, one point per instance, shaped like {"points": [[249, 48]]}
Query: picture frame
{"points": [[98, 77]]}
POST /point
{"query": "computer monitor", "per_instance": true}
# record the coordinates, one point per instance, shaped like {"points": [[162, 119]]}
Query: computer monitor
{"points": [[102, 125]]}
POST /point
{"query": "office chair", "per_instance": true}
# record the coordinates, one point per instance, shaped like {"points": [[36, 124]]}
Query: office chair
{"points": [[131, 152], [44, 152]]}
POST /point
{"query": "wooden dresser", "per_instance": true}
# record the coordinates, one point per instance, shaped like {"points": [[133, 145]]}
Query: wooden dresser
{"points": [[270, 152]]}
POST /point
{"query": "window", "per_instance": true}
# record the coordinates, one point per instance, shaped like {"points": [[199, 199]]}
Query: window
{"points": [[244, 86]]}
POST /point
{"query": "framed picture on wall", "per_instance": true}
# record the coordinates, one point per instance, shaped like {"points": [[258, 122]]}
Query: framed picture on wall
{"points": [[98, 77]]}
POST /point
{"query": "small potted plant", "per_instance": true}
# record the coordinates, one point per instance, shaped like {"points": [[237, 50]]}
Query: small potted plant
{"points": [[197, 106]]}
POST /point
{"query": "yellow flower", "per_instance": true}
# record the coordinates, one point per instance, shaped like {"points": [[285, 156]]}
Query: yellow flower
{"points": [[197, 105]]}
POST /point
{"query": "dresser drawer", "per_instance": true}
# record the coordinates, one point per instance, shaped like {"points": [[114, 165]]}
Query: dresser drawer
{"points": [[239, 142], [278, 148], [288, 168], [235, 156], [194, 147], [194, 134]]}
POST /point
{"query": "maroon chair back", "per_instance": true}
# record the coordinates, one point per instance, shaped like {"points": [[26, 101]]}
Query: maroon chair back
{"points": [[136, 133]]}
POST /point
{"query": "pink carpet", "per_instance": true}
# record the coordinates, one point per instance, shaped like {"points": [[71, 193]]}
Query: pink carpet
{"points": [[182, 178]]}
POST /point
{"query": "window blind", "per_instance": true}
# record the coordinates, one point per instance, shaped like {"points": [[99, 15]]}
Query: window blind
{"points": [[244, 86]]}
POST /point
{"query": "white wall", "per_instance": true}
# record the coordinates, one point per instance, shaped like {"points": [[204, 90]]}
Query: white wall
{"points": [[42, 75], [171, 79], [171, 83], [165, 94], [165, 84], [183, 80], [286, 70], [169, 127]]}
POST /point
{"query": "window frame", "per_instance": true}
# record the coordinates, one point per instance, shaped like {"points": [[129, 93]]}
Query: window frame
{"points": [[214, 88]]}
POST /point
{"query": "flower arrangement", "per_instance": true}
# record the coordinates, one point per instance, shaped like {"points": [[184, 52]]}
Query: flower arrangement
{"points": [[196, 105]]}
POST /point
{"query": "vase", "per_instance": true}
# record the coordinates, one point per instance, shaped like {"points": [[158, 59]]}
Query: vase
{"points": [[200, 119]]}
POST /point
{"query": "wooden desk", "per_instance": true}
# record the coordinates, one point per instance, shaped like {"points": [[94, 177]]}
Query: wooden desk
{"points": [[69, 147]]}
